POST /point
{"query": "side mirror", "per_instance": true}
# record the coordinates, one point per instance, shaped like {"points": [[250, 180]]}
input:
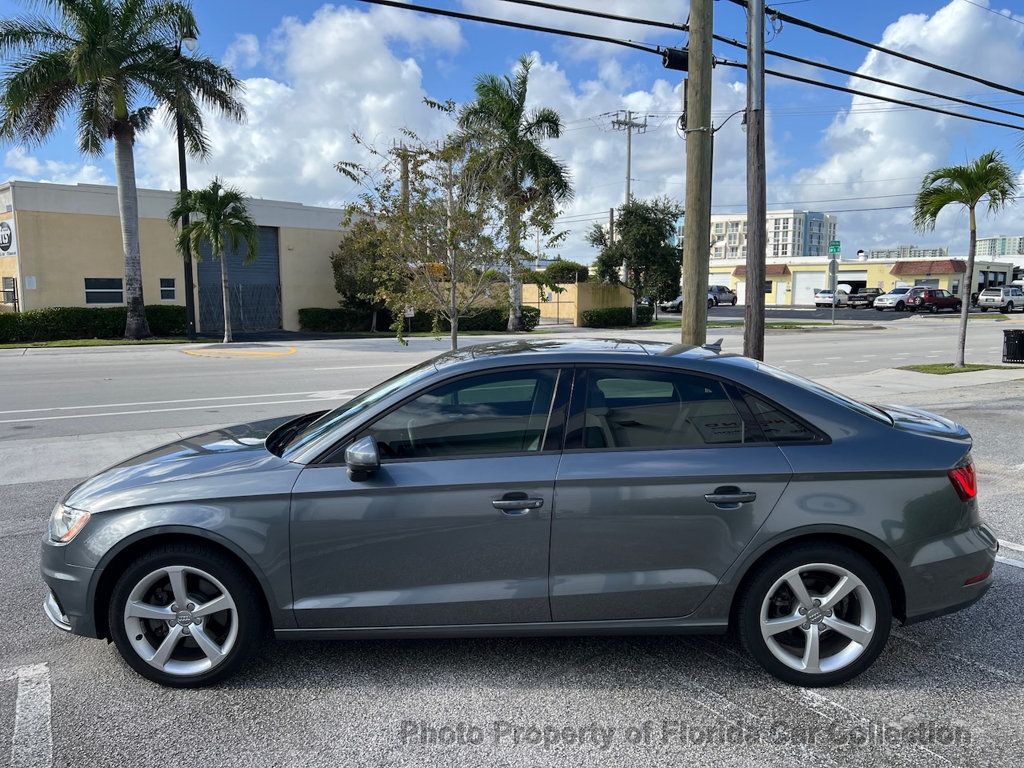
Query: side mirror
{"points": [[362, 458]]}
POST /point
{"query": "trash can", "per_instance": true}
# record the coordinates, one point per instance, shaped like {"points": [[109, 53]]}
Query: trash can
{"points": [[1013, 346]]}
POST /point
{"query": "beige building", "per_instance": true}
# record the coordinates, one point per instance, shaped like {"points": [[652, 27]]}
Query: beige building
{"points": [[793, 282], [60, 246]]}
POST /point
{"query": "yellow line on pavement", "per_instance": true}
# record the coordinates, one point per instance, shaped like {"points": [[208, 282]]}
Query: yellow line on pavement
{"points": [[240, 352]]}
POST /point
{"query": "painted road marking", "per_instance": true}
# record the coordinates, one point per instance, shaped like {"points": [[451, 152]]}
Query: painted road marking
{"points": [[1010, 562], [218, 406], [217, 352], [158, 402], [356, 367], [32, 742]]}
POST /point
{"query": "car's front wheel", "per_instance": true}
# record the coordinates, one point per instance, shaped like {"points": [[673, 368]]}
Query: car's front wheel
{"points": [[815, 615], [900, 306], [711, 303], [185, 616]]}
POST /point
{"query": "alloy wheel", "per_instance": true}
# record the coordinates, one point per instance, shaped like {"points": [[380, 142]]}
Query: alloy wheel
{"points": [[181, 620], [818, 618]]}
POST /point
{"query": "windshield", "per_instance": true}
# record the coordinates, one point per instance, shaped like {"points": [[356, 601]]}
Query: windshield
{"points": [[334, 419], [830, 394], [898, 291]]}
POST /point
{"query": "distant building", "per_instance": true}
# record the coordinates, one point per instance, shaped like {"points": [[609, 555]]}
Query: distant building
{"points": [[789, 233], [1000, 245], [908, 252]]}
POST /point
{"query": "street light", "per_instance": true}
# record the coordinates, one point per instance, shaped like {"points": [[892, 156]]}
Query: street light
{"points": [[190, 303]]}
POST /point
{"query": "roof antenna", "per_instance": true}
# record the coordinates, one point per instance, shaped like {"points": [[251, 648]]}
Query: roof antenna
{"points": [[714, 346]]}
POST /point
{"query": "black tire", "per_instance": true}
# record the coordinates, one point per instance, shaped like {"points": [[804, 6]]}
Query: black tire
{"points": [[243, 589], [957, 307], [1009, 308], [712, 303], [880, 309], [984, 309], [933, 308], [733, 302], [748, 611], [900, 306]]}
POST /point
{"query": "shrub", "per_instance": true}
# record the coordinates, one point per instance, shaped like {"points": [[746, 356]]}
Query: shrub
{"points": [[57, 323], [609, 317], [644, 314], [345, 319], [565, 271]]}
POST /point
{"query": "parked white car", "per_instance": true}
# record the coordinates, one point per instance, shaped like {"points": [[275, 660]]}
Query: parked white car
{"points": [[1005, 298], [826, 298], [896, 299]]}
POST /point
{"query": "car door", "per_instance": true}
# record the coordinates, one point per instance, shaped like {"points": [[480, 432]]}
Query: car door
{"points": [[454, 526], [661, 484]]}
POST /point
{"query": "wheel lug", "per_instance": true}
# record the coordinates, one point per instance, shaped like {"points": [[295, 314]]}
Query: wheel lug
{"points": [[828, 612], [191, 606], [817, 603], [806, 625], [186, 631], [802, 611], [174, 606], [200, 621]]}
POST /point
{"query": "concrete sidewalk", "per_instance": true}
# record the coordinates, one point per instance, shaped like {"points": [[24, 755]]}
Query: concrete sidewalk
{"points": [[889, 382]]}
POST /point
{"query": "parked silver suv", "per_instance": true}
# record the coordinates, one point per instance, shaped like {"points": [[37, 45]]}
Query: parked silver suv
{"points": [[1004, 297], [721, 294]]}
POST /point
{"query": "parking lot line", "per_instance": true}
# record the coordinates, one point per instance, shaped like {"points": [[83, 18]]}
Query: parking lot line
{"points": [[32, 742]]}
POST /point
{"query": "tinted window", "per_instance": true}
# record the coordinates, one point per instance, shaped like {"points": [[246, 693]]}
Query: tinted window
{"points": [[777, 425], [505, 412], [657, 409]]}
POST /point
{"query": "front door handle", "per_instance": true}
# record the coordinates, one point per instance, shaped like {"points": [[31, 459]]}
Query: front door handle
{"points": [[729, 497], [517, 503]]}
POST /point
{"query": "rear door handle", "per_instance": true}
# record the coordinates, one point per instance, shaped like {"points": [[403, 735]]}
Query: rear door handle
{"points": [[729, 498]]}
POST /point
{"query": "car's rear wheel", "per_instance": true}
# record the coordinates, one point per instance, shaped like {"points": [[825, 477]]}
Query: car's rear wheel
{"points": [[1009, 307], [984, 309], [185, 616], [816, 615], [733, 302]]}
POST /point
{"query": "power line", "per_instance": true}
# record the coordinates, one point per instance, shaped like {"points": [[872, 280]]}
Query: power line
{"points": [[877, 97], [870, 78], [600, 15], [773, 13], [514, 24]]}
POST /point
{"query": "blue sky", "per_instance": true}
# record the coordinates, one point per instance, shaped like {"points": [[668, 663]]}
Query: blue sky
{"points": [[317, 73]]}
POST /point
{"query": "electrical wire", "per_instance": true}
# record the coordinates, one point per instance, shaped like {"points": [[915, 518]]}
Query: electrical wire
{"points": [[985, 8], [880, 48], [600, 14], [877, 97], [514, 24]]}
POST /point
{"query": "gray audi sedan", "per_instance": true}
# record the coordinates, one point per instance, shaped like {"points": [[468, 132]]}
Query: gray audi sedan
{"points": [[534, 488]]}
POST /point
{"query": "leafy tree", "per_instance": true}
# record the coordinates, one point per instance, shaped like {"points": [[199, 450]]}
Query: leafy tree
{"points": [[221, 219], [641, 258], [989, 180], [565, 271], [434, 243], [507, 140], [357, 267], [106, 62]]}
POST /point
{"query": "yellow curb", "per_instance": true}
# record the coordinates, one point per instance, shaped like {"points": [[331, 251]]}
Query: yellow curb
{"points": [[239, 352]]}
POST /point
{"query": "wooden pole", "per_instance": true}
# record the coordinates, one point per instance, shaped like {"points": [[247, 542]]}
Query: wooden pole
{"points": [[697, 234], [753, 311]]}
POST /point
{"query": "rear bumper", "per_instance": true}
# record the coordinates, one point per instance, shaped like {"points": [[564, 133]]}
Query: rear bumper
{"points": [[67, 604], [936, 583]]}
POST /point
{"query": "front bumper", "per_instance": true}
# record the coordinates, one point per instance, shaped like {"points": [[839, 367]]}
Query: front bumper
{"points": [[936, 582], [67, 604]]}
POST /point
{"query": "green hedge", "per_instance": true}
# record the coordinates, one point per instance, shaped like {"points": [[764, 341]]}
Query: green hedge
{"points": [[644, 314], [57, 323], [348, 320], [615, 317]]}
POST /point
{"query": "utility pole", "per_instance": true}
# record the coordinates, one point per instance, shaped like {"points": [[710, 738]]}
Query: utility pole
{"points": [[696, 250], [629, 124], [611, 226], [753, 311]]}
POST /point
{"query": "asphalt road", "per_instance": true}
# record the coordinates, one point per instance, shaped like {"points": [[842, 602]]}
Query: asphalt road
{"points": [[945, 692]]}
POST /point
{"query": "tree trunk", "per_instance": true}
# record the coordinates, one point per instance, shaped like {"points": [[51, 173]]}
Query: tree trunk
{"points": [[226, 290], [373, 320], [137, 326], [966, 291], [515, 288]]}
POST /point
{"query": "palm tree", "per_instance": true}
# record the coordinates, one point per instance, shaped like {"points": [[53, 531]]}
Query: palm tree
{"points": [[221, 219], [990, 176], [508, 139], [107, 63]]}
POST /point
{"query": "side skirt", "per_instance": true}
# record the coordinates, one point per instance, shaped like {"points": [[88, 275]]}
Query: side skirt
{"points": [[540, 629]]}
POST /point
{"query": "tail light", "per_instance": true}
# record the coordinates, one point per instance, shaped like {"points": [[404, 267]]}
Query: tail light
{"points": [[965, 481]]}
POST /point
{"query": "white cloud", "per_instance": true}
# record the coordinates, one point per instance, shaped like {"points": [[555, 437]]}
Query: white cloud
{"points": [[31, 168], [333, 75], [243, 53]]}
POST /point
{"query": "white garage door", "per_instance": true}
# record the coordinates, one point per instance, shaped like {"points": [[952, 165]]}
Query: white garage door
{"points": [[805, 284]]}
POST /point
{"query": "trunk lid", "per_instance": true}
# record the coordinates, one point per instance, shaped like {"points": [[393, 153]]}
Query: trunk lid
{"points": [[925, 423]]}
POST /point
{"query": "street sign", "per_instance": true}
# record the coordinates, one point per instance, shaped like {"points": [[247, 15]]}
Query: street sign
{"points": [[835, 246]]}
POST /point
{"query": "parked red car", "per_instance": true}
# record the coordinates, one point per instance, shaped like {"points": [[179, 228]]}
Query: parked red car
{"points": [[933, 300]]}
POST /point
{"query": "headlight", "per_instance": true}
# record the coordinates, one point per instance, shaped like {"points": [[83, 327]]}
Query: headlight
{"points": [[65, 523]]}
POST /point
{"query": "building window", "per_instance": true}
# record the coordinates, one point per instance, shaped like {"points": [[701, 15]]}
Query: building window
{"points": [[785, 249], [167, 289], [9, 291], [104, 290], [768, 286]]}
